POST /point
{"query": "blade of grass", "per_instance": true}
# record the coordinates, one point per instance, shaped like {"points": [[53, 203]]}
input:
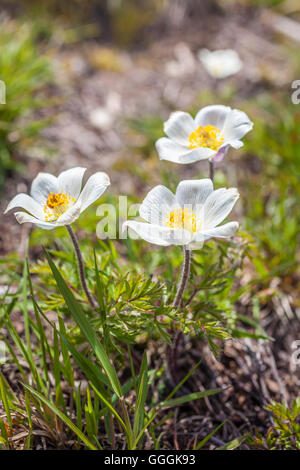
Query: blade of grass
{"points": [[67, 366], [99, 290], [43, 338], [62, 416], [110, 407], [158, 409], [25, 306], [28, 410], [132, 367], [141, 397], [5, 402], [91, 370], [78, 407], [89, 333], [201, 443], [59, 401], [190, 397], [235, 443], [27, 356]]}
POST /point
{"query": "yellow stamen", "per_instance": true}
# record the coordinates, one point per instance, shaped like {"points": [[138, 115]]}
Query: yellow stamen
{"points": [[183, 218], [206, 136], [56, 205]]}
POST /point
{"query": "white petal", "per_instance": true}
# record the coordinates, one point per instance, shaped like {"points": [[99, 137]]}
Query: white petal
{"points": [[215, 115], [159, 235], [169, 150], [221, 63], [70, 181], [236, 125], [224, 231], [236, 144], [158, 202], [27, 203], [179, 126], [42, 186], [203, 54], [66, 218], [218, 205], [70, 215], [219, 156], [93, 188], [194, 192], [23, 217], [195, 155]]}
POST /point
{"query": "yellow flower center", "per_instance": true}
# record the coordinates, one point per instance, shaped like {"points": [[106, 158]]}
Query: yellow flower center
{"points": [[56, 205], [184, 219], [206, 136]]}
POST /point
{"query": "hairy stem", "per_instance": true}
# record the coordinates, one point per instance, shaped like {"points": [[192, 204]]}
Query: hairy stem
{"points": [[184, 277], [74, 239], [212, 170], [177, 304]]}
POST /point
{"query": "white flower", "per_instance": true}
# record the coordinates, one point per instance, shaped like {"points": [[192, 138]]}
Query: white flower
{"points": [[103, 117], [214, 129], [222, 63], [57, 201], [190, 217]]}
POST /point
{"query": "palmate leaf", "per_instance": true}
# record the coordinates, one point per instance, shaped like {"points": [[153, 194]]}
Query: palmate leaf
{"points": [[84, 325]]}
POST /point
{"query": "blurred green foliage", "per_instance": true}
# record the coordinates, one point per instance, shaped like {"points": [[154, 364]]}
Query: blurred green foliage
{"points": [[121, 21], [272, 193], [25, 72]]}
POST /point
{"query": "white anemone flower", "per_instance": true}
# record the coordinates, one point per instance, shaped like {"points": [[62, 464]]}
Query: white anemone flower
{"points": [[57, 201], [190, 217], [208, 136], [222, 63]]}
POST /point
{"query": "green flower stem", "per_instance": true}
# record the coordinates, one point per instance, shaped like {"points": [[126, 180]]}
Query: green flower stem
{"points": [[74, 239]]}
